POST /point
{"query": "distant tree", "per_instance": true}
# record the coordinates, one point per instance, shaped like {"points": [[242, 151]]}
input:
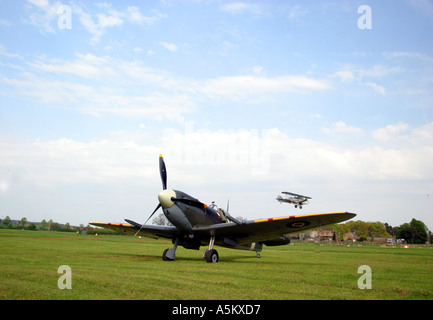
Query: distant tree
{"points": [[43, 225], [23, 222], [378, 229], [31, 226], [389, 229], [413, 232], [161, 220], [7, 222], [55, 226]]}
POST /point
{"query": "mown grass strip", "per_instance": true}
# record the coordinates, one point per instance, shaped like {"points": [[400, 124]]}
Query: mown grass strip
{"points": [[117, 267]]}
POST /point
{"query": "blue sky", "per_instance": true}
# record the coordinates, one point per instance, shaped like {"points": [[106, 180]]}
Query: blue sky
{"points": [[244, 99]]}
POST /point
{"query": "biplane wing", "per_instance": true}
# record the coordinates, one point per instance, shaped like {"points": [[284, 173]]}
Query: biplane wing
{"points": [[295, 195]]}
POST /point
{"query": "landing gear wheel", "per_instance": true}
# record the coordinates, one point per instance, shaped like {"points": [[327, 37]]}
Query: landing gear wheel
{"points": [[164, 256], [211, 256]]}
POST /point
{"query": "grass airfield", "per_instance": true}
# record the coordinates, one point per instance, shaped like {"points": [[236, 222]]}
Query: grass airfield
{"points": [[118, 267]]}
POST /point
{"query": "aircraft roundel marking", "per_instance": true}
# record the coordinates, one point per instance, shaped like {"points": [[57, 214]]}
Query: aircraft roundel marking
{"points": [[298, 224]]}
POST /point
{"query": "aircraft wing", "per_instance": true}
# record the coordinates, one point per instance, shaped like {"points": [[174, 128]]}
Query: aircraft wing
{"points": [[285, 200], [272, 228], [251, 231], [150, 231], [295, 194]]}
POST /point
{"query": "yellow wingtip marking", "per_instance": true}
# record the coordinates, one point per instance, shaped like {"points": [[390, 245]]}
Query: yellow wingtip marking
{"points": [[293, 217], [111, 224]]}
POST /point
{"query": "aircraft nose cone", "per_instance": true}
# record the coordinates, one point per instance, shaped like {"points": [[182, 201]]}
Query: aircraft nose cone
{"points": [[164, 198]]}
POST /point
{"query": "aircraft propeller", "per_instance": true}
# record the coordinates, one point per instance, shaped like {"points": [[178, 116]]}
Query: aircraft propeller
{"points": [[163, 174]]}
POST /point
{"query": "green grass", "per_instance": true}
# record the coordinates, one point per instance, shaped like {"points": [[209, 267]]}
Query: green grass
{"points": [[116, 267]]}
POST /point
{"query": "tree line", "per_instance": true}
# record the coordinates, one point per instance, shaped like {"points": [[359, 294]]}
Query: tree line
{"points": [[414, 232], [44, 225]]}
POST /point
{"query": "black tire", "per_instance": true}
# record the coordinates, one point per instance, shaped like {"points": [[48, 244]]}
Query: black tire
{"points": [[164, 256], [212, 256]]}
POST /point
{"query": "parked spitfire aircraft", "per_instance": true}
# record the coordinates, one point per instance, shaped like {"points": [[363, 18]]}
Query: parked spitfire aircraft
{"points": [[296, 199], [195, 224]]}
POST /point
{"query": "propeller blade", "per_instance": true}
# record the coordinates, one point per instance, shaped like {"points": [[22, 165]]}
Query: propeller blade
{"points": [[162, 172], [190, 202], [156, 209]]}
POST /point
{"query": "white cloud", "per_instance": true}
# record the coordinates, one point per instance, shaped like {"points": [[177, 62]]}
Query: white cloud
{"points": [[344, 75], [39, 3], [405, 161], [265, 155], [296, 12], [102, 84], [423, 135], [390, 132], [409, 54], [363, 76], [243, 86], [257, 70], [350, 73], [116, 87], [66, 161], [97, 28], [134, 15], [5, 53], [341, 127], [378, 71], [424, 6], [4, 186], [47, 15], [242, 7], [169, 46], [155, 106], [378, 88]]}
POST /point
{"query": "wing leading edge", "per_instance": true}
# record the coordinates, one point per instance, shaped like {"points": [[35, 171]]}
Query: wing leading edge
{"points": [[272, 228], [150, 231]]}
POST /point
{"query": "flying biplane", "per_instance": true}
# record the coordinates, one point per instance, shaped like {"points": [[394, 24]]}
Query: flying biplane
{"points": [[296, 199], [195, 224]]}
